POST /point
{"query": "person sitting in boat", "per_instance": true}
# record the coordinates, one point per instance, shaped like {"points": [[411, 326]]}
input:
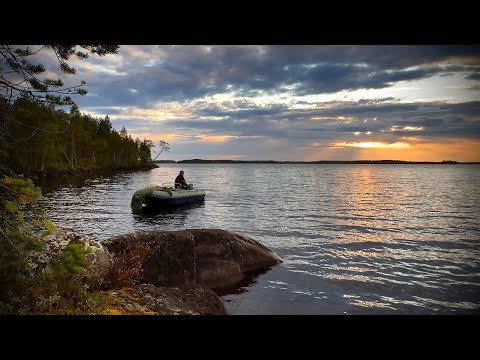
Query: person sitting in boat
{"points": [[180, 182]]}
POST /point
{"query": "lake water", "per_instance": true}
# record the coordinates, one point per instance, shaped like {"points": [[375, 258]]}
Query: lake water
{"points": [[356, 239]]}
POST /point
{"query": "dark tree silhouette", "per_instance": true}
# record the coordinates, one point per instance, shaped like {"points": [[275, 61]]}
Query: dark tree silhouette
{"points": [[163, 146], [19, 75]]}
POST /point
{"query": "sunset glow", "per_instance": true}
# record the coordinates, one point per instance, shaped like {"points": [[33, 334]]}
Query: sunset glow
{"points": [[214, 138], [418, 103], [372, 145], [406, 128]]}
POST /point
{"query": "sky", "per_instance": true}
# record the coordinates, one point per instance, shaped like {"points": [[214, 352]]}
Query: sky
{"points": [[292, 103]]}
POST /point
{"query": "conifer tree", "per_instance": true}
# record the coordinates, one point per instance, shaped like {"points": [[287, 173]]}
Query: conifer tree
{"points": [[20, 73]]}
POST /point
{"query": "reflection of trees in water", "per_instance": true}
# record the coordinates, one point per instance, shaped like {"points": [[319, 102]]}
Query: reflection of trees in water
{"points": [[248, 279], [54, 183]]}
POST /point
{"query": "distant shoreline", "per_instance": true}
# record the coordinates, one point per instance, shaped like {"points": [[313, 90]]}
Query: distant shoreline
{"points": [[202, 161]]}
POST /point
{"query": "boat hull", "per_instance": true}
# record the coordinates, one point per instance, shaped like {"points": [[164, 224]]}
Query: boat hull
{"points": [[179, 197]]}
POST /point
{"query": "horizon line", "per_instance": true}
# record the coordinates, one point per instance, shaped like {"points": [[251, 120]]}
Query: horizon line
{"points": [[322, 161]]}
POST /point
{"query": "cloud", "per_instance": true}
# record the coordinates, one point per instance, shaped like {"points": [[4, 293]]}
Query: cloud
{"points": [[474, 76], [336, 121], [474, 87], [278, 101], [372, 144], [182, 73], [186, 72]]}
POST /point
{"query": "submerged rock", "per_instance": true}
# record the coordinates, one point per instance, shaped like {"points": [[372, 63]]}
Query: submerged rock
{"points": [[210, 257]]}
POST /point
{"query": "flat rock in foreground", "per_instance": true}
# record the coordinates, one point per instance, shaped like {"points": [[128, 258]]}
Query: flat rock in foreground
{"points": [[146, 299], [210, 257]]}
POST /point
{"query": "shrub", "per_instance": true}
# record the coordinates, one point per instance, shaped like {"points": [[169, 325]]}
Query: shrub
{"points": [[61, 290]]}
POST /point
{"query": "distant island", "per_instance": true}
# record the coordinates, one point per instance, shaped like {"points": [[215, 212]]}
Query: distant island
{"points": [[203, 161]]}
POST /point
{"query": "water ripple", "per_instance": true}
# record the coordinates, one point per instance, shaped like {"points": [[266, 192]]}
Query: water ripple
{"points": [[356, 239]]}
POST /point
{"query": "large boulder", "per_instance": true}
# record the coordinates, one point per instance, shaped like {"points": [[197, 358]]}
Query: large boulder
{"points": [[100, 260], [146, 299], [210, 257]]}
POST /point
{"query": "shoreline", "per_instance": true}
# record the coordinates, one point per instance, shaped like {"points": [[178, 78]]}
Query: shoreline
{"points": [[35, 175]]}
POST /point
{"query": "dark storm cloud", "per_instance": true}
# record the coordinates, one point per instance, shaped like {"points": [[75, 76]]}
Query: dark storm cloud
{"points": [[361, 109], [329, 78], [392, 120], [474, 76], [140, 89], [180, 73], [376, 101], [254, 112], [421, 121], [471, 108], [474, 87], [168, 73], [378, 57]]}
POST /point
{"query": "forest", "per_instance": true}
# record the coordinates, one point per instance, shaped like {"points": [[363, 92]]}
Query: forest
{"points": [[37, 137]]}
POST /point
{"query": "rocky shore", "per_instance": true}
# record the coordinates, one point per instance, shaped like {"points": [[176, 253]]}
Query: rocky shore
{"points": [[165, 272]]}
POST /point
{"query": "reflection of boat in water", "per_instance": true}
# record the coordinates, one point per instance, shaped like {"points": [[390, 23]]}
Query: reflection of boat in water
{"points": [[167, 216], [159, 197]]}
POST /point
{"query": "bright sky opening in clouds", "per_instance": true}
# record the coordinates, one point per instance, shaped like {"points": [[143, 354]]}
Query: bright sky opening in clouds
{"points": [[419, 103]]}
